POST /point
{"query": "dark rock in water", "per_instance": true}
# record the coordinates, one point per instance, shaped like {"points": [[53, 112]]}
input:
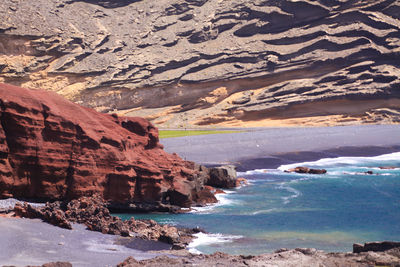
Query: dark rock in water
{"points": [[307, 170], [53, 149], [317, 171], [299, 170], [369, 172], [375, 246], [224, 177]]}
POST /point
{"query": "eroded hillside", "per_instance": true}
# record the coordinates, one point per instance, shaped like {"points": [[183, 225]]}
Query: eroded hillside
{"points": [[211, 62]]}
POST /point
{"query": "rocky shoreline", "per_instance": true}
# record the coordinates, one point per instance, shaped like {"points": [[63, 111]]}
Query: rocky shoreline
{"points": [[94, 214], [280, 258]]}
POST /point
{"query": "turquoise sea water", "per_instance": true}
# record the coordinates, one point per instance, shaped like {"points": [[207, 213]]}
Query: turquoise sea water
{"points": [[278, 209]]}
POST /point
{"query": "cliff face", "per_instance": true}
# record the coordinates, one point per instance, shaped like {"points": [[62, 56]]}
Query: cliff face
{"points": [[210, 62], [51, 148]]}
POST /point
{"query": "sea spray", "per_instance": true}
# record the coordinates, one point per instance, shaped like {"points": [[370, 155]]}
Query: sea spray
{"points": [[204, 239], [224, 199]]}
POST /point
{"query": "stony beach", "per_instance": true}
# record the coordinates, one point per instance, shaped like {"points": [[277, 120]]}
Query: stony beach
{"points": [[32, 242]]}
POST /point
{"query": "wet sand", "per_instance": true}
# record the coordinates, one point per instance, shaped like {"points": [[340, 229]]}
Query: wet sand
{"points": [[32, 242], [272, 147]]}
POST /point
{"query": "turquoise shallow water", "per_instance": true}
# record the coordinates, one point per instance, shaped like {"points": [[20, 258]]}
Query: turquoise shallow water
{"points": [[278, 209]]}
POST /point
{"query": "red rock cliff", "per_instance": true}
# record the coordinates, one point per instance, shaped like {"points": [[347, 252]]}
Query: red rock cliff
{"points": [[51, 148]]}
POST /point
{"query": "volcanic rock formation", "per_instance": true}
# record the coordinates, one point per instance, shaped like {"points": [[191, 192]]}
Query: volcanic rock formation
{"points": [[211, 62], [52, 149]]}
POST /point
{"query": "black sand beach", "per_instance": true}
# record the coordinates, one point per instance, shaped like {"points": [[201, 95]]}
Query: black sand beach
{"points": [[32, 242], [272, 147]]}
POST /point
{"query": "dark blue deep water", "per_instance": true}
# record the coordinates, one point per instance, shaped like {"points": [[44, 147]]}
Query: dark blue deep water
{"points": [[278, 209]]}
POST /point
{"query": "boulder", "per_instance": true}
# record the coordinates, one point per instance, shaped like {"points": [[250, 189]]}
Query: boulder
{"points": [[306, 170], [223, 177]]}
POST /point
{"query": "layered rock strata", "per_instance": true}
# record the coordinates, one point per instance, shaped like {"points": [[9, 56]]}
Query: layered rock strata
{"points": [[228, 63], [53, 149]]}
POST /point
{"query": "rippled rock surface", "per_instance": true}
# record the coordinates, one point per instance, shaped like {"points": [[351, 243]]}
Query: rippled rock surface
{"points": [[210, 62]]}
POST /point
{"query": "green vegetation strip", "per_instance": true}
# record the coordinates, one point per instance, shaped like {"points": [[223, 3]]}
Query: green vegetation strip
{"points": [[180, 133]]}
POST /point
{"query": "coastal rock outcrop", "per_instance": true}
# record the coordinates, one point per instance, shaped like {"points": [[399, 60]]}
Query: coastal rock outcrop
{"points": [[237, 62], [53, 149], [306, 170]]}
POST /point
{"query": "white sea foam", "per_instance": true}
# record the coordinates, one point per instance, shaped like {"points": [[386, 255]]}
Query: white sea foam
{"points": [[326, 162], [302, 179], [223, 200], [257, 171], [295, 193], [264, 211], [207, 239], [168, 221], [395, 169]]}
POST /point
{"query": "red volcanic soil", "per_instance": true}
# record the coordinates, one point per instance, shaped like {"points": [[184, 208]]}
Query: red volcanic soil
{"points": [[51, 148]]}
